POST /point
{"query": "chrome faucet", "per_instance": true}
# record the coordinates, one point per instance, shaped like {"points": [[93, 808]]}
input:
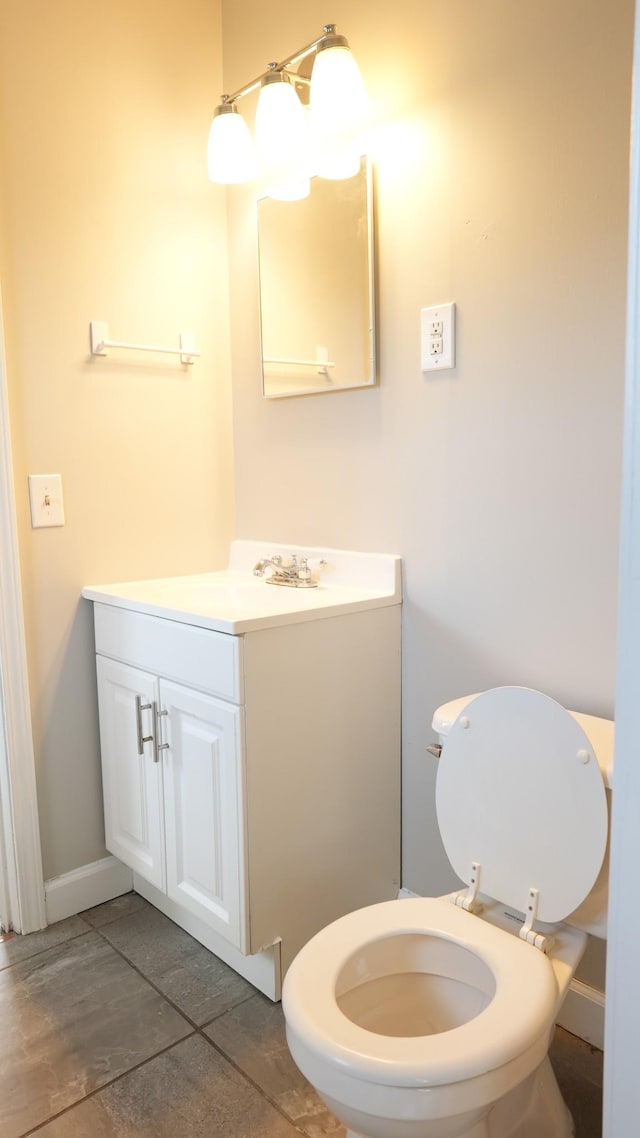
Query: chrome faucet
{"points": [[293, 573]]}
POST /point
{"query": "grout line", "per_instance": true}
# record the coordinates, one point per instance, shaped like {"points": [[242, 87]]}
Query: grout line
{"points": [[197, 1029], [143, 1063], [151, 984], [118, 916], [176, 1007], [256, 1086], [59, 944], [104, 1086], [219, 1015]]}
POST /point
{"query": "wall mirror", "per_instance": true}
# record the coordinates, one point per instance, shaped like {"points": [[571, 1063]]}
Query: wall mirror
{"points": [[316, 288]]}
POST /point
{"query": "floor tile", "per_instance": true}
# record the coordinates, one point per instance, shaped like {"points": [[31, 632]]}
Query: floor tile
{"points": [[73, 1018], [578, 1069], [79, 1021], [187, 1092], [187, 973], [585, 1061], [112, 910], [253, 1036], [17, 948]]}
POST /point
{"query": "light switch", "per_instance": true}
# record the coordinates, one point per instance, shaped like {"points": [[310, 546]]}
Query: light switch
{"points": [[438, 337], [45, 497]]}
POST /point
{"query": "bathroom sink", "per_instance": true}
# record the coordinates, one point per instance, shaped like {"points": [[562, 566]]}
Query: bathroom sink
{"points": [[233, 600]]}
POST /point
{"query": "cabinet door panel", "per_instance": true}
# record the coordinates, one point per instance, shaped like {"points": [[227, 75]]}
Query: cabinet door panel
{"points": [[203, 779], [132, 783]]}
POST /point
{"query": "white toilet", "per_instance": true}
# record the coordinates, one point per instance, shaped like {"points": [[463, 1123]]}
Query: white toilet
{"points": [[432, 1017]]}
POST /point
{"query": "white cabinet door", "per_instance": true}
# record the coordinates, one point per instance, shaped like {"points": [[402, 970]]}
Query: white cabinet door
{"points": [[132, 783], [203, 783]]}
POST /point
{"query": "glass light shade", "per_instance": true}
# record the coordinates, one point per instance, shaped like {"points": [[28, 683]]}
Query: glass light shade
{"points": [[230, 151], [281, 134], [282, 139], [338, 96]]}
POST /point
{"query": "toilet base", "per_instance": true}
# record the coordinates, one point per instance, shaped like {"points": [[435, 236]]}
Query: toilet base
{"points": [[534, 1109]]}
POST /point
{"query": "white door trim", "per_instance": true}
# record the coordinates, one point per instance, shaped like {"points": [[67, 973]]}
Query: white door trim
{"points": [[621, 1087], [20, 857]]}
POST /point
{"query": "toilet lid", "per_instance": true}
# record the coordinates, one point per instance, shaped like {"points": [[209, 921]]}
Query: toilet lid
{"points": [[519, 791]]}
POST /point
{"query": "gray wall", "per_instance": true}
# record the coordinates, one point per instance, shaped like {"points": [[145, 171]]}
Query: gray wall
{"points": [[501, 150]]}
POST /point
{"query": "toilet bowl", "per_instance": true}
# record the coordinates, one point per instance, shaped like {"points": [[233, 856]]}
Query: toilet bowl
{"points": [[432, 1017]]}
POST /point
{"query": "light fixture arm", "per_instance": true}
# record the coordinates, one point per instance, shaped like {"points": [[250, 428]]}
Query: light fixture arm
{"points": [[285, 64]]}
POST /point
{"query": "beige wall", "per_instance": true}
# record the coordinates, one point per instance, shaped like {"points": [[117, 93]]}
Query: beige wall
{"points": [[108, 214], [501, 150]]}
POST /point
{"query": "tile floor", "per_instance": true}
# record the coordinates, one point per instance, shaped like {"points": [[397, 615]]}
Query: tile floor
{"points": [[117, 1023]]}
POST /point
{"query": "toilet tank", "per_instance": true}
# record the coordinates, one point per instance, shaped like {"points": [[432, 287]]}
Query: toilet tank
{"points": [[591, 915]]}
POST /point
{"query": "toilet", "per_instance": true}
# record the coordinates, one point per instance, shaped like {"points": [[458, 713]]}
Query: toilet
{"points": [[432, 1017]]}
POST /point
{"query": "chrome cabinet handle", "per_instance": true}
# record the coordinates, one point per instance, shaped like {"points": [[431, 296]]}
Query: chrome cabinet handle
{"points": [[142, 739], [157, 747]]}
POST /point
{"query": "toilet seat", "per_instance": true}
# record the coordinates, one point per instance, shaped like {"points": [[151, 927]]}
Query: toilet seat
{"points": [[517, 1017]]}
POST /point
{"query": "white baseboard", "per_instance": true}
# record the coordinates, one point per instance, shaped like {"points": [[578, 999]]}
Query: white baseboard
{"points": [[582, 1012], [85, 887]]}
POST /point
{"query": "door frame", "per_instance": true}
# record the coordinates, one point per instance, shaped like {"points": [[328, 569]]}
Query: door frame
{"points": [[621, 1088], [21, 877]]}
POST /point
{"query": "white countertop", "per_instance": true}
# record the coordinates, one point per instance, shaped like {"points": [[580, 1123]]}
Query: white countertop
{"points": [[235, 601]]}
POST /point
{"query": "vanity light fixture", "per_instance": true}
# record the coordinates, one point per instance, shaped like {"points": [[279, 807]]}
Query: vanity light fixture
{"points": [[290, 142]]}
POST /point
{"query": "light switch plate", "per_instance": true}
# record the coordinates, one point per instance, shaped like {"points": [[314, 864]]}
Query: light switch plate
{"points": [[45, 498], [438, 337]]}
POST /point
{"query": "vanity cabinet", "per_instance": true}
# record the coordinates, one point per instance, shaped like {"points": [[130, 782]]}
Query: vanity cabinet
{"points": [[252, 781], [172, 780]]}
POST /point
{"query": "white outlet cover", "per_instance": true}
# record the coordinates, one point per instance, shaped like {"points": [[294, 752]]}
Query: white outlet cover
{"points": [[440, 316], [45, 498]]}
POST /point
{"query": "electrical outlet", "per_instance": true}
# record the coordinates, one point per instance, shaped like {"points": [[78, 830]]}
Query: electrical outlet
{"points": [[438, 337], [45, 498]]}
